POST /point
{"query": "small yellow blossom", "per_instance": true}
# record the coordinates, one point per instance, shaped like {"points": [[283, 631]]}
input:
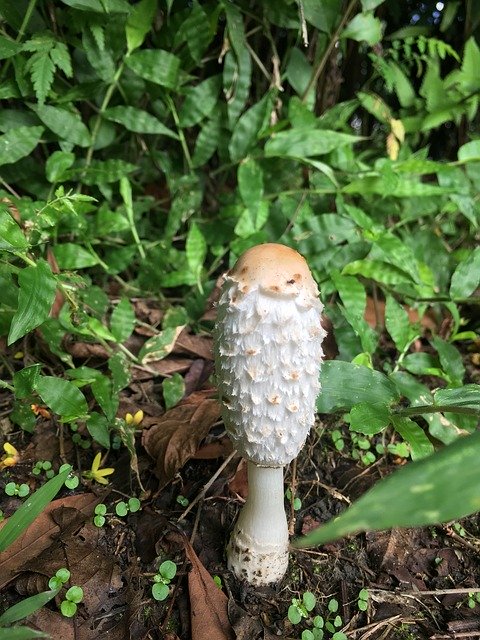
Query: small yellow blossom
{"points": [[135, 419], [10, 457], [97, 474]]}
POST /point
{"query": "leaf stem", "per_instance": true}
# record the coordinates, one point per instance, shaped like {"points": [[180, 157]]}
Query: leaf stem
{"points": [[183, 142]]}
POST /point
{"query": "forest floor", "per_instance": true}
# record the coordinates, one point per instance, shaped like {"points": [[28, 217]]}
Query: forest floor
{"points": [[421, 582]]}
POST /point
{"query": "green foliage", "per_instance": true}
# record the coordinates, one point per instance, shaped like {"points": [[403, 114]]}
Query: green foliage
{"points": [[166, 572]]}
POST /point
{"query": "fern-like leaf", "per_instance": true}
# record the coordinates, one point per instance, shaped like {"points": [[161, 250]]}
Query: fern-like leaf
{"points": [[41, 71], [61, 58]]}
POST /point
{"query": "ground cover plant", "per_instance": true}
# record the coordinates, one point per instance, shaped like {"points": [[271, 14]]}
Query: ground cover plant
{"points": [[143, 147]]}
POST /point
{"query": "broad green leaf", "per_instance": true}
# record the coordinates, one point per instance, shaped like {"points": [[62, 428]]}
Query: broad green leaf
{"points": [[304, 143], [30, 509], [466, 277], [160, 345], [105, 171], [11, 235], [108, 401], [207, 142], [73, 256], [25, 380], [322, 15], [467, 396], [411, 432], [26, 607], [398, 324], [354, 299], [139, 23], [195, 249], [422, 364], [100, 6], [395, 251], [97, 54], [364, 27], [21, 633], [65, 124], [237, 74], [470, 151], [97, 426], [251, 221], [197, 31], [369, 5], [368, 418], [250, 183], [62, 397], [138, 121], [96, 328], [298, 73], [376, 270], [57, 164], [451, 360], [18, 143], [248, 127], [122, 321], [37, 293], [375, 105], [156, 65], [9, 48], [199, 101], [345, 384], [442, 487], [120, 370], [173, 390]]}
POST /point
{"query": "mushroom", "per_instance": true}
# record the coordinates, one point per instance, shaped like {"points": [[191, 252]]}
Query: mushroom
{"points": [[268, 352]]}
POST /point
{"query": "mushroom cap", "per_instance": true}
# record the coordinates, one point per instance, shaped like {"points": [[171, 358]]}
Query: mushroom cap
{"points": [[268, 352]]}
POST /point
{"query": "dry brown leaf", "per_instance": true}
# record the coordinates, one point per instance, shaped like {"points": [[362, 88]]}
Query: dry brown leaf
{"points": [[238, 485], [176, 436], [218, 449], [40, 535], [208, 604], [201, 346]]}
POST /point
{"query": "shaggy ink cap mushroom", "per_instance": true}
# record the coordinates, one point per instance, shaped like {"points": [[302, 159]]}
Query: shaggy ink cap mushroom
{"points": [[268, 352]]}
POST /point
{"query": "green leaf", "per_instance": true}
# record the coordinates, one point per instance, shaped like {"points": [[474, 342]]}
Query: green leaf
{"points": [[99, 6], [97, 426], [62, 397], [345, 384], [322, 15], [42, 71], [104, 395], [364, 27], [451, 360], [18, 143], [369, 5], [248, 127], [156, 65], [160, 345], [105, 171], [73, 256], [30, 509], [207, 142], [120, 370], [9, 48], [195, 248], [305, 142], [197, 31], [138, 121], [368, 418], [422, 493], [21, 633], [467, 396], [375, 105], [122, 321], [139, 23], [251, 221], [398, 324], [354, 298], [466, 277], [11, 235], [65, 124], [36, 295], [250, 183], [26, 607], [24, 380], [411, 432], [173, 390], [199, 101], [57, 164], [469, 151], [377, 270]]}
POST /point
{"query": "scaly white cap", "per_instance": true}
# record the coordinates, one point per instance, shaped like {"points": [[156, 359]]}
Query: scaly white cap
{"points": [[268, 352]]}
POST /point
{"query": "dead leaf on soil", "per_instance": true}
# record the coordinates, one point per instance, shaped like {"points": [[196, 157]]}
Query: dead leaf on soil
{"points": [[201, 346], [208, 604], [40, 535], [238, 485], [176, 436], [219, 449], [245, 626]]}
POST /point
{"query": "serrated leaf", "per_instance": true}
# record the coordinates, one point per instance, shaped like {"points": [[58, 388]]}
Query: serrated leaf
{"points": [[422, 493], [62, 397], [11, 236], [305, 142], [139, 23], [18, 143], [61, 57], [64, 124], [345, 384], [466, 277], [199, 101], [42, 71], [122, 321], [411, 432], [156, 65], [138, 121], [37, 287], [364, 27], [73, 256]]}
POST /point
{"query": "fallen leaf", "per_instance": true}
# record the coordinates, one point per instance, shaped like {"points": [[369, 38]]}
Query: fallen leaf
{"points": [[238, 485], [218, 449], [176, 436], [40, 535], [208, 604], [201, 346]]}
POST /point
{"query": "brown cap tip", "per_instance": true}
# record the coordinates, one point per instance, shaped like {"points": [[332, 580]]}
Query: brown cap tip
{"points": [[275, 268]]}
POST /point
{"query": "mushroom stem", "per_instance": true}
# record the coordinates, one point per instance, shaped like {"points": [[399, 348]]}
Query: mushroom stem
{"points": [[258, 547]]}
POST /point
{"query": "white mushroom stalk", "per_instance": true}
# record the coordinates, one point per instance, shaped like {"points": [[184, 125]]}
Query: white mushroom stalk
{"points": [[268, 352]]}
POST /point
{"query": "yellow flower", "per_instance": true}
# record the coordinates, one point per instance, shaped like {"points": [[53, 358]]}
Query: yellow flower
{"points": [[10, 457], [135, 419], [96, 473]]}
